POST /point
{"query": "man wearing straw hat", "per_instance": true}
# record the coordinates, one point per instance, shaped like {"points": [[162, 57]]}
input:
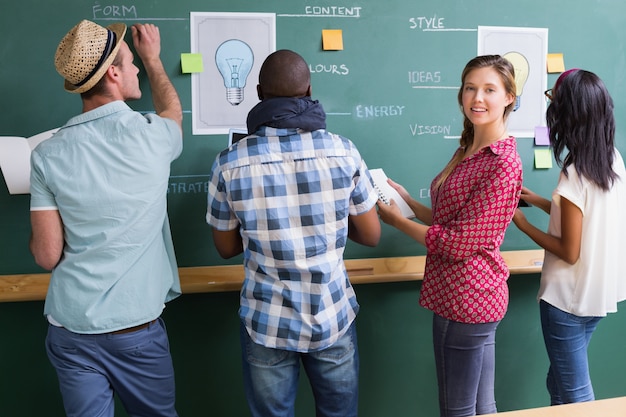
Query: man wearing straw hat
{"points": [[99, 222]]}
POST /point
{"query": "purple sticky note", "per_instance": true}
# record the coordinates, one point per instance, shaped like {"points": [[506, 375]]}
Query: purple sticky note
{"points": [[541, 135]]}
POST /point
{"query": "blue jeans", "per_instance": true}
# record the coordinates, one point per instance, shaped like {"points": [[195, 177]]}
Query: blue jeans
{"points": [[567, 337], [91, 368], [271, 377], [465, 357]]}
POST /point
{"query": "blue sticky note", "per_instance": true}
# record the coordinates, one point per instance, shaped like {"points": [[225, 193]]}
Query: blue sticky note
{"points": [[542, 136]]}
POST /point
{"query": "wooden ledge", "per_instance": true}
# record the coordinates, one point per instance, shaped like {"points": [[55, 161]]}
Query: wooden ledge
{"points": [[611, 407], [200, 279]]}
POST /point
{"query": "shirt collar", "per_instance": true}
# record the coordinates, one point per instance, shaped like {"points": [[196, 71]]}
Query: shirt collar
{"points": [[98, 113], [502, 145]]}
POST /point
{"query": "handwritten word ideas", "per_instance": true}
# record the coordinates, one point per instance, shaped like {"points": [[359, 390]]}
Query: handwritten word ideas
{"points": [[418, 77]]}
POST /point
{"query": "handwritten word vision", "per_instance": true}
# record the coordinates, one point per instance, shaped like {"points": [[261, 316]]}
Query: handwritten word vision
{"points": [[419, 130]]}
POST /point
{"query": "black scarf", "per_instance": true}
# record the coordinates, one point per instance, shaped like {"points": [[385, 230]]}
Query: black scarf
{"points": [[286, 112]]}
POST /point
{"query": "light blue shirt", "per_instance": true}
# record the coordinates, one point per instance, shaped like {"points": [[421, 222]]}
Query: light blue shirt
{"points": [[107, 173]]}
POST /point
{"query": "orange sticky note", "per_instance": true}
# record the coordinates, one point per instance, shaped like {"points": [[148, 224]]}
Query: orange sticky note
{"points": [[555, 63], [332, 39]]}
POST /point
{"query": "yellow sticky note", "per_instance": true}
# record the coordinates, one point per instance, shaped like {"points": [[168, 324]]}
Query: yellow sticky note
{"points": [[191, 63], [543, 158], [555, 63], [332, 39]]}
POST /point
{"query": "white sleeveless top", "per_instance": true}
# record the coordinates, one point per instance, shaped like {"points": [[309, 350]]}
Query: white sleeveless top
{"points": [[596, 282]]}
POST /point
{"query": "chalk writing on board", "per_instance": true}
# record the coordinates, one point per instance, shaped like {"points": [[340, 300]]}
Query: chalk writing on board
{"points": [[340, 69], [434, 24], [368, 112], [424, 192], [188, 184], [424, 22], [333, 11], [417, 77], [419, 130], [113, 11]]}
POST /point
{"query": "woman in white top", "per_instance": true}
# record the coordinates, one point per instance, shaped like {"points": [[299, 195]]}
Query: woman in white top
{"points": [[581, 279]]}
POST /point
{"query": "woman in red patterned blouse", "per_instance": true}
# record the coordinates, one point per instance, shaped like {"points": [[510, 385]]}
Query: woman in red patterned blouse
{"points": [[473, 201]]}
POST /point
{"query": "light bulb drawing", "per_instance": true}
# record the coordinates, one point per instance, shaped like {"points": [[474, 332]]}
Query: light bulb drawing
{"points": [[522, 69], [234, 59]]}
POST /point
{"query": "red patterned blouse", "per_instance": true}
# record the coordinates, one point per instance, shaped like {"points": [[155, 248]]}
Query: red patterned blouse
{"points": [[465, 275]]}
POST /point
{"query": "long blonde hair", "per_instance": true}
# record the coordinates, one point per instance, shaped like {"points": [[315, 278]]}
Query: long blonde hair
{"points": [[506, 71]]}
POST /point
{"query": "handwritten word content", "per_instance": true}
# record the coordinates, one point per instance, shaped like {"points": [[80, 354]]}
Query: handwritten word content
{"points": [[101, 12], [425, 23], [369, 111], [423, 77], [333, 11], [420, 130], [340, 69]]}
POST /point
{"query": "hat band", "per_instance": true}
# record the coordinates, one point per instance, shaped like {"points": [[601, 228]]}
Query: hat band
{"points": [[111, 38]]}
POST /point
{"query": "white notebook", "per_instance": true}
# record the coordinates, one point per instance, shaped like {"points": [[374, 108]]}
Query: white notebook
{"points": [[386, 192]]}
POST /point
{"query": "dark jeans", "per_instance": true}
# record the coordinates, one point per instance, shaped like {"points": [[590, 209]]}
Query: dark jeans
{"points": [[271, 377], [465, 356], [567, 337]]}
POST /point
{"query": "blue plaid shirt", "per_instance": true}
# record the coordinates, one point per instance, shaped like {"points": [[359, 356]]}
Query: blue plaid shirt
{"points": [[292, 191]]}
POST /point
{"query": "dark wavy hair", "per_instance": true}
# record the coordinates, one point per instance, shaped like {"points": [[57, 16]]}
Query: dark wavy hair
{"points": [[580, 118]]}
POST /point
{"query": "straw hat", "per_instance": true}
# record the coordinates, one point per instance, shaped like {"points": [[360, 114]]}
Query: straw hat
{"points": [[86, 52]]}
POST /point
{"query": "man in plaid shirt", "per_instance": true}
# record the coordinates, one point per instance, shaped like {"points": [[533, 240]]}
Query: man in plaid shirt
{"points": [[289, 196]]}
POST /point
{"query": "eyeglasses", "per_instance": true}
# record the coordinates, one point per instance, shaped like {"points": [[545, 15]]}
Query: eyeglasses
{"points": [[548, 94]]}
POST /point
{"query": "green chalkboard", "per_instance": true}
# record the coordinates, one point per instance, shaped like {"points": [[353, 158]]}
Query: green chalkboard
{"points": [[392, 89]]}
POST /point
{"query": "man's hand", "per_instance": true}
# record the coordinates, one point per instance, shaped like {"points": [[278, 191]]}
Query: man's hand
{"points": [[147, 41]]}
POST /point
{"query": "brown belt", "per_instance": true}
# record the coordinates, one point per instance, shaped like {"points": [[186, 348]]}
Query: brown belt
{"points": [[134, 328]]}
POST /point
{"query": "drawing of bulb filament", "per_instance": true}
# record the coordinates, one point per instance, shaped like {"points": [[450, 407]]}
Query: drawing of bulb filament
{"points": [[522, 68], [234, 60]]}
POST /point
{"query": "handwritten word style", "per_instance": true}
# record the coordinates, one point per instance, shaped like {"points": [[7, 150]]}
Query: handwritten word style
{"points": [[424, 22]]}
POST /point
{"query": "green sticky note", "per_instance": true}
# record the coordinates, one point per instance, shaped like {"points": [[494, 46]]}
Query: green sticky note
{"points": [[543, 158], [191, 63]]}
